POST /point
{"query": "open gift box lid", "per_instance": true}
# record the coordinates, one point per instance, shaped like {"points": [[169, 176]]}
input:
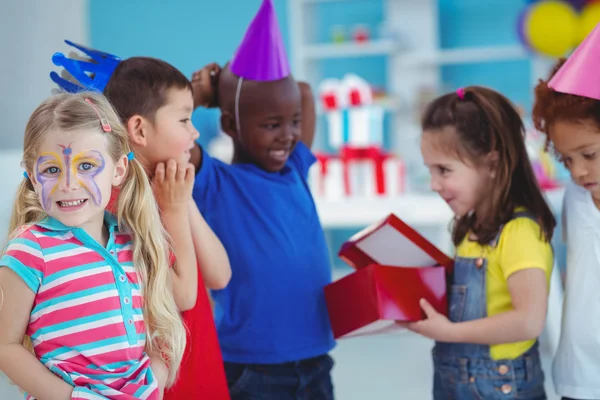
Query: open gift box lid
{"points": [[394, 243]]}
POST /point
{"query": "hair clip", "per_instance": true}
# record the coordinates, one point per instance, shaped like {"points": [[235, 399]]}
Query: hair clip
{"points": [[130, 155], [460, 92], [25, 175], [103, 121]]}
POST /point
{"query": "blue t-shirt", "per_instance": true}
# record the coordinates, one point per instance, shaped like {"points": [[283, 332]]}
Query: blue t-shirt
{"points": [[273, 309]]}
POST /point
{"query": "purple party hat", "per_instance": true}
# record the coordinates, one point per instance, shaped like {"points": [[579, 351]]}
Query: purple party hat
{"points": [[261, 56]]}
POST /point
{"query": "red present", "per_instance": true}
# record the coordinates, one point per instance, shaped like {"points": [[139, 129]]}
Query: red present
{"points": [[359, 172], [396, 267], [370, 157]]}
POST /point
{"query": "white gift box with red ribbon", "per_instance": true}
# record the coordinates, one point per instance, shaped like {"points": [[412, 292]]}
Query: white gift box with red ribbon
{"points": [[352, 118], [357, 172]]}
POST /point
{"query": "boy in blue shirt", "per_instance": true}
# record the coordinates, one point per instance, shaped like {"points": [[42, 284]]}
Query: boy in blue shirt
{"points": [[271, 319]]}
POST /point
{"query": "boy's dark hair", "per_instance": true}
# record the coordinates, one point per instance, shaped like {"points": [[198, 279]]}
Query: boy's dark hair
{"points": [[551, 106], [139, 85], [486, 121]]}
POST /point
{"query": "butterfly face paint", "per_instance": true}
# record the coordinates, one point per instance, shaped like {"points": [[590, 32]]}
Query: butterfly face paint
{"points": [[63, 170]]}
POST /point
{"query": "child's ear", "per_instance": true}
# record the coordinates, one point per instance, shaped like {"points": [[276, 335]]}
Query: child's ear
{"points": [[228, 125], [137, 129], [120, 171], [32, 178], [493, 162], [34, 182]]}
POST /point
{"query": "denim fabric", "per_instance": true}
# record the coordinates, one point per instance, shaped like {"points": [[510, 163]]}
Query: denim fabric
{"points": [[465, 371], [301, 380]]}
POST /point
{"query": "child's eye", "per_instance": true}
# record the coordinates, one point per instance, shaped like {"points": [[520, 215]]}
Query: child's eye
{"points": [[296, 123], [589, 156], [52, 171], [271, 126], [185, 120], [566, 161], [443, 170], [85, 166]]}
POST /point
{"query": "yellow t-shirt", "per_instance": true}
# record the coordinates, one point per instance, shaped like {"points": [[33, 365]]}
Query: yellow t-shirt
{"points": [[520, 247]]}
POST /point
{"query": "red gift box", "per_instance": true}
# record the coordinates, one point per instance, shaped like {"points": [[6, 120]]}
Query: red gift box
{"points": [[395, 268]]}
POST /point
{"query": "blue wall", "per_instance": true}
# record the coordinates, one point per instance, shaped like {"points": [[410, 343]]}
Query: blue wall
{"points": [[190, 34], [187, 34], [485, 23]]}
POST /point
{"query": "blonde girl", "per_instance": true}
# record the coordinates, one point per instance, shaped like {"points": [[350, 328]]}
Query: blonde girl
{"points": [[90, 289]]}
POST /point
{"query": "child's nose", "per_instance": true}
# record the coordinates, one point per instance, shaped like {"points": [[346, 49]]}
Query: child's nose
{"points": [[289, 132], [578, 169], [195, 134], [67, 183], [436, 186]]}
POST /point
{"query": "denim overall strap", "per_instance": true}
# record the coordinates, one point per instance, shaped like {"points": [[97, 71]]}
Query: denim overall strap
{"points": [[464, 371]]}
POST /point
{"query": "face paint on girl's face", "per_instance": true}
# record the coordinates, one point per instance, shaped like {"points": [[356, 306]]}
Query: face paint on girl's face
{"points": [[85, 166], [49, 169], [64, 171]]}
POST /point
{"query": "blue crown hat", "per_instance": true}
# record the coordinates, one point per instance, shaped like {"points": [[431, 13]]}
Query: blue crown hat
{"points": [[102, 68]]}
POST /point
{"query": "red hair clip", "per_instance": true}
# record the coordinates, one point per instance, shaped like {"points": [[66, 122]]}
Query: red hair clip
{"points": [[103, 121]]}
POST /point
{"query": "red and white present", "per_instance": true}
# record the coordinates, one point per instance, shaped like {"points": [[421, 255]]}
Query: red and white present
{"points": [[325, 177], [357, 172], [352, 118], [370, 171], [395, 268]]}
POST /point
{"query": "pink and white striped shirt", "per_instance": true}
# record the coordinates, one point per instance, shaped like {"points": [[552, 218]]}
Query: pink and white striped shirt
{"points": [[86, 323]]}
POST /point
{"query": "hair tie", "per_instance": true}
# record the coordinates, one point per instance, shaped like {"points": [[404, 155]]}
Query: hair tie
{"points": [[460, 92], [25, 175], [130, 155]]}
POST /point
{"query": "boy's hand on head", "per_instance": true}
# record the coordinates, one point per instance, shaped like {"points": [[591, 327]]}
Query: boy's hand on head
{"points": [[204, 86], [173, 184]]}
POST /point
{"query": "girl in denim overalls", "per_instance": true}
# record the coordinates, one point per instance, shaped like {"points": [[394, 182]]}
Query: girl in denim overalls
{"points": [[473, 145]]}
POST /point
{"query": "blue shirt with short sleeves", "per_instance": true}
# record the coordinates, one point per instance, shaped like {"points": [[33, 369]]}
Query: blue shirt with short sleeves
{"points": [[273, 310]]}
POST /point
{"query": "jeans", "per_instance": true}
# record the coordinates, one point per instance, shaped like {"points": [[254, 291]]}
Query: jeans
{"points": [[308, 379]]}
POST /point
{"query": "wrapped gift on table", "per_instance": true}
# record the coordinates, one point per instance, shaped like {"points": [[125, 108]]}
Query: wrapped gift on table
{"points": [[325, 177], [370, 172], [352, 118], [357, 172], [395, 268]]}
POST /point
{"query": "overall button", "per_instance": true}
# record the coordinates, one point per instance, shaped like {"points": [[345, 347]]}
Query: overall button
{"points": [[503, 369], [130, 322], [126, 300], [472, 379], [506, 388], [112, 252], [122, 278], [479, 263]]}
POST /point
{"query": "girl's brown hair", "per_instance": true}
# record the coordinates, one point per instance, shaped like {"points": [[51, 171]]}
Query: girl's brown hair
{"points": [[551, 106], [485, 121]]}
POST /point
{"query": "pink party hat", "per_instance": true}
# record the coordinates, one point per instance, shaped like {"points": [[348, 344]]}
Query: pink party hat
{"points": [[579, 74], [262, 56]]}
